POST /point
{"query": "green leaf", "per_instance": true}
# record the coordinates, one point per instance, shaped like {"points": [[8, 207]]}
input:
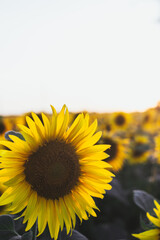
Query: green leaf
{"points": [[6, 223], [8, 235], [144, 200], [15, 238], [75, 236], [27, 236], [145, 223], [118, 192], [17, 134]]}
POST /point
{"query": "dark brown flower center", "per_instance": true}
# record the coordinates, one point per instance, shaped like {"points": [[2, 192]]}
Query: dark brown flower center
{"points": [[120, 120], [112, 151], [53, 170]]}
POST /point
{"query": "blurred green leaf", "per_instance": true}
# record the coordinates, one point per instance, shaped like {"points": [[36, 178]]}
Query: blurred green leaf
{"points": [[7, 228], [27, 236], [8, 232], [15, 238], [6, 223], [118, 192], [145, 223], [75, 236], [14, 133], [144, 200]]}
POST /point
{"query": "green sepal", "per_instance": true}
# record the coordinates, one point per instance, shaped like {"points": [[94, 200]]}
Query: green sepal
{"points": [[14, 133]]}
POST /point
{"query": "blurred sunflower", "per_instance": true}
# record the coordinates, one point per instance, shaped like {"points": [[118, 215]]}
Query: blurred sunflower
{"points": [[17, 120], [116, 152], [107, 123], [148, 120], [53, 174], [120, 120], [5, 125], [108, 127], [157, 148], [139, 149], [152, 234]]}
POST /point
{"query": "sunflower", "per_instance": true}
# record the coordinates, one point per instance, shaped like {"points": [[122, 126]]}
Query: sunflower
{"points": [[5, 125], [152, 234], [139, 149], [106, 123], [53, 174], [120, 120], [148, 120], [116, 152], [14, 120], [157, 148]]}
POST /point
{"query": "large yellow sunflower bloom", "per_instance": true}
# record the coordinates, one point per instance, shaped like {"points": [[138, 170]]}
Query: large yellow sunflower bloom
{"points": [[53, 174], [152, 234]]}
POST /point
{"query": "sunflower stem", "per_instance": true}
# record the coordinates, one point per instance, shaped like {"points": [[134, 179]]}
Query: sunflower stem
{"points": [[34, 230]]}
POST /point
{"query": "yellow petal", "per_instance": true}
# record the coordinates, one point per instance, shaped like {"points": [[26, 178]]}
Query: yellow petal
{"points": [[152, 234], [93, 149], [59, 213], [10, 172], [42, 216], [60, 119], [75, 127], [94, 156], [78, 207], [154, 220], [25, 129], [84, 136], [92, 191], [7, 196], [31, 205], [64, 125], [66, 215], [39, 124], [53, 222], [53, 123], [33, 216], [70, 210], [98, 164], [15, 180], [34, 131], [94, 139], [46, 126]]}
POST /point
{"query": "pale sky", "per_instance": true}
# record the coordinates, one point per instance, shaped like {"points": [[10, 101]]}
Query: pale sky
{"points": [[94, 55]]}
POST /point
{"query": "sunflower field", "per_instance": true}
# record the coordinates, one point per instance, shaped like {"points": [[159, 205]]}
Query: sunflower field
{"points": [[80, 176]]}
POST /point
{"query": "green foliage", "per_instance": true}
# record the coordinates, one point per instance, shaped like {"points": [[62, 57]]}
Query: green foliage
{"points": [[145, 201], [14, 133], [11, 229], [8, 232]]}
